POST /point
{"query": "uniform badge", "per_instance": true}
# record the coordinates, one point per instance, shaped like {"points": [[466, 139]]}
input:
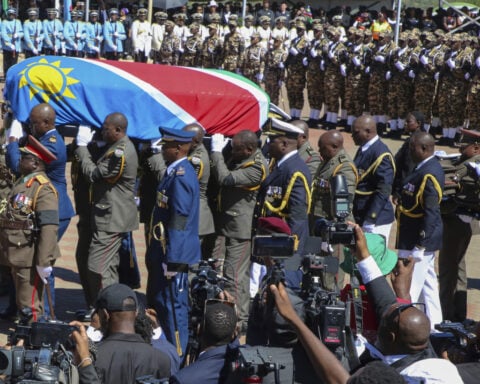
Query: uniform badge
{"points": [[180, 171], [118, 152], [409, 188], [195, 160], [162, 199], [52, 139]]}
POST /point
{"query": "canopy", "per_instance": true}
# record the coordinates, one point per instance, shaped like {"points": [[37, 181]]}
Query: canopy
{"points": [[84, 91]]}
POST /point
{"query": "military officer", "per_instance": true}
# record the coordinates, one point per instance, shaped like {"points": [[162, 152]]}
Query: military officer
{"points": [[192, 47], [12, 34], [376, 169], [212, 49], [171, 45], [247, 30], [158, 30], [75, 35], [457, 229], [253, 67], [174, 238], [93, 47], [335, 161], [114, 211], [53, 33], [198, 157], [419, 223], [141, 36], [233, 48], [285, 193], [275, 70], [114, 34], [239, 179], [29, 226], [33, 34], [305, 150]]}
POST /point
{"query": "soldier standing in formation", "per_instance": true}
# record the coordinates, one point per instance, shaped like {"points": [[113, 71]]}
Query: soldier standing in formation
{"points": [[141, 37], [94, 36], [275, 70], [114, 35], [12, 35], [33, 34], [253, 67], [233, 48], [53, 33], [171, 45]]}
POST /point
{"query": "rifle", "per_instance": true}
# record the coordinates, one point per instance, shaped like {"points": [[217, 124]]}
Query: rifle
{"points": [[35, 37], [13, 39], [97, 42], [115, 38], [76, 38]]}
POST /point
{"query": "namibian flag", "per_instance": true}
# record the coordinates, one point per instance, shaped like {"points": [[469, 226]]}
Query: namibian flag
{"points": [[151, 96]]}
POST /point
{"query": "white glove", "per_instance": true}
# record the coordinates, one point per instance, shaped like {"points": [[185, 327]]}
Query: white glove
{"points": [[165, 271], [322, 65], [260, 77], [367, 70], [380, 59], [96, 49], [343, 70], [94, 334], [326, 247], [280, 83], [477, 62], [418, 253], [313, 52], [356, 61], [388, 75], [84, 135], [55, 33], [75, 46], [411, 74], [16, 129], [368, 227], [218, 142], [424, 60], [14, 36], [451, 63], [156, 147], [399, 65], [293, 51], [38, 39], [78, 35], [467, 76], [114, 47], [12, 46], [35, 51], [115, 34], [281, 65], [44, 272], [305, 62], [436, 76], [330, 55], [474, 166]]}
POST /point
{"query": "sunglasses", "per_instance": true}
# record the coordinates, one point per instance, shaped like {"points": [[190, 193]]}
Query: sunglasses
{"points": [[395, 314]]}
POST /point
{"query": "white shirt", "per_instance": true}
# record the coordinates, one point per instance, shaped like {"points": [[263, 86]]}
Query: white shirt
{"points": [[171, 167], [286, 157], [369, 143]]}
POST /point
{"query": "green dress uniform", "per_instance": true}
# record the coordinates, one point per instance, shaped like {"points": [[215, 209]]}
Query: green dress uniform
{"points": [[310, 156], [114, 211], [29, 226], [201, 164], [239, 184]]}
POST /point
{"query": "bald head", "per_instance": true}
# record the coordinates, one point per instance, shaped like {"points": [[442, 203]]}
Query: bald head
{"points": [[199, 134], [114, 127], [364, 129], [302, 139], [422, 146], [403, 330], [42, 119], [329, 144]]}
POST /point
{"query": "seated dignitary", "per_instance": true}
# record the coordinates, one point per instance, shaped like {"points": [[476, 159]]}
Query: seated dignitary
{"points": [[218, 340], [122, 354], [404, 330]]}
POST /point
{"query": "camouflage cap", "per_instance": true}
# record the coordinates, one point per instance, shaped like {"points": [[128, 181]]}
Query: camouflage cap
{"points": [[169, 23], [264, 19], [215, 17], [316, 21], [197, 16], [404, 36], [213, 26], [180, 16], [194, 25], [430, 37], [439, 32], [300, 18], [317, 27], [161, 15], [255, 35], [249, 18], [280, 19], [337, 18], [232, 23], [142, 11], [300, 24], [332, 31], [233, 17], [367, 32]]}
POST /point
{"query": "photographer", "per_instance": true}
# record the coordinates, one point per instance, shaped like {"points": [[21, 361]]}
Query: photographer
{"points": [[218, 341], [83, 360]]}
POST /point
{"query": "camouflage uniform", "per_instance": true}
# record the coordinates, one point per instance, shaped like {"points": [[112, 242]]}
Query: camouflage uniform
{"points": [[233, 48], [473, 98], [170, 48], [211, 52], [254, 62], [315, 80], [274, 72], [297, 74], [192, 50]]}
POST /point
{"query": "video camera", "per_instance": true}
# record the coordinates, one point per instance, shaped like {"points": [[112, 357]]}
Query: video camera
{"points": [[45, 356], [337, 231], [460, 342]]}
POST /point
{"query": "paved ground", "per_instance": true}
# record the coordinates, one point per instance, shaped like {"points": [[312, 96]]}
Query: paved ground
{"points": [[69, 293]]}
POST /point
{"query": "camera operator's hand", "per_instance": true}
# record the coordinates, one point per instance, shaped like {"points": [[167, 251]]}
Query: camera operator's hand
{"points": [[361, 250], [224, 295], [152, 315], [82, 352], [282, 302], [402, 277]]}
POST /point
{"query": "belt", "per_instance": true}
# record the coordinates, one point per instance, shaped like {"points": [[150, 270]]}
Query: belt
{"points": [[15, 224]]}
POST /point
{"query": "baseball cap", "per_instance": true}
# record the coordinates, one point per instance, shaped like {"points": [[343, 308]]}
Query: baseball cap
{"points": [[112, 298]]}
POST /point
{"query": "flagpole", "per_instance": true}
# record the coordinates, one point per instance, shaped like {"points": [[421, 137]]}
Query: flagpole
{"points": [[150, 10]]}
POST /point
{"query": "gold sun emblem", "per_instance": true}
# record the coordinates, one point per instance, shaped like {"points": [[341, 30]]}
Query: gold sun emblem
{"points": [[47, 80]]}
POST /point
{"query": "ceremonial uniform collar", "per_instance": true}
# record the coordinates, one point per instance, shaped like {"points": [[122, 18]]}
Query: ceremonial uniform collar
{"points": [[369, 143], [172, 166], [286, 157], [422, 163]]}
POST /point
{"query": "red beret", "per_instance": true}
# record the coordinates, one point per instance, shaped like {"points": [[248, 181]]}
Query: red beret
{"points": [[34, 147], [274, 225]]}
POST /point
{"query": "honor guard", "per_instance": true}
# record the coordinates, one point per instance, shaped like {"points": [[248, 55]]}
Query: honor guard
{"points": [[158, 31], [233, 48], [174, 243], [171, 46], [12, 35], [275, 70], [114, 35], [94, 36], [29, 225], [254, 60], [192, 48], [33, 34], [212, 49], [141, 37], [75, 35], [53, 33], [247, 30]]}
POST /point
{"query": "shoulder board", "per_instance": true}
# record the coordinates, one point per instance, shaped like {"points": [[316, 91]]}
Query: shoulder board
{"points": [[180, 171], [52, 139], [42, 179], [310, 150]]}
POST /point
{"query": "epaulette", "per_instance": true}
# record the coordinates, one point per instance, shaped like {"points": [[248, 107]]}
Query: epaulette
{"points": [[42, 179], [52, 139], [195, 160], [119, 151]]}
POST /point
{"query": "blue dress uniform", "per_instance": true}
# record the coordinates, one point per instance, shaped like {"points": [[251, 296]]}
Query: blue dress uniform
{"points": [[12, 34], [93, 47], [376, 171], [75, 35], [114, 34], [33, 35], [52, 34], [174, 239]]}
